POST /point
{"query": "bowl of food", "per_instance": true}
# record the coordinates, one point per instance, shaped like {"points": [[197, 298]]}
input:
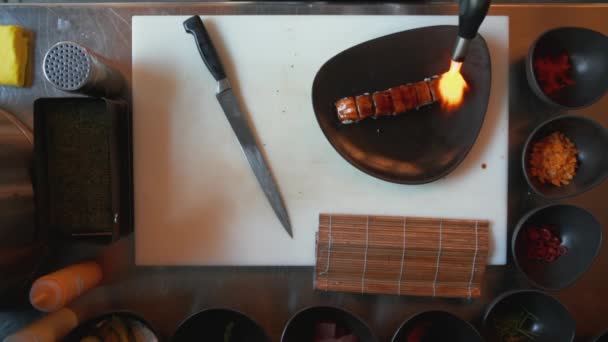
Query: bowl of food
{"points": [[430, 326], [113, 327], [219, 324], [528, 315], [556, 244], [326, 324], [567, 67], [565, 156]]}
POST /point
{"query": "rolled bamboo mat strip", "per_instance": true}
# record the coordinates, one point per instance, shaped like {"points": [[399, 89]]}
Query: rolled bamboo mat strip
{"points": [[416, 256]]}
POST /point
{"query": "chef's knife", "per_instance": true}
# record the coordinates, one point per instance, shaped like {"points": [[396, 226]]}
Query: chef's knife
{"points": [[225, 95]]}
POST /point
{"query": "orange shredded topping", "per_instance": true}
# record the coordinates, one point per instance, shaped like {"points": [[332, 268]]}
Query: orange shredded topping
{"points": [[553, 159]]}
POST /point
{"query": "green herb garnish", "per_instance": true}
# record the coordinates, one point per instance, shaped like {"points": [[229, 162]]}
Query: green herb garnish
{"points": [[512, 327], [228, 332]]}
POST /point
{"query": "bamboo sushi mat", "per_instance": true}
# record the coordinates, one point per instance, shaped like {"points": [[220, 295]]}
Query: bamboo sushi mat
{"points": [[401, 255]]}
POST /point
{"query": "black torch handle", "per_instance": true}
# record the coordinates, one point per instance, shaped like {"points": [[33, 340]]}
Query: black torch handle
{"points": [[472, 13]]}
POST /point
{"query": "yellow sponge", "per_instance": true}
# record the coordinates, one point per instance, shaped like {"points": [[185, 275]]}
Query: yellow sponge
{"points": [[14, 54]]}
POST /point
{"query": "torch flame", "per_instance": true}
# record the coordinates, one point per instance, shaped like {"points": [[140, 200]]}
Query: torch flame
{"points": [[452, 87]]}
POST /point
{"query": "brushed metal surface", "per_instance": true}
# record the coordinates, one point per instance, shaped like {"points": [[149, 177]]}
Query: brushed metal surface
{"points": [[165, 296], [16, 192]]}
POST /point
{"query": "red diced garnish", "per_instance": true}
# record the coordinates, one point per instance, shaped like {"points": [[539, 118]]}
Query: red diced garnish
{"points": [[541, 252], [554, 72], [533, 234], [416, 334], [545, 234], [543, 244]]}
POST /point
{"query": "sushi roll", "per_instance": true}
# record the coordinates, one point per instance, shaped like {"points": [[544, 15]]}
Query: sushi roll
{"points": [[410, 99], [383, 103], [365, 106], [433, 83], [398, 103], [423, 93], [347, 110], [390, 102]]}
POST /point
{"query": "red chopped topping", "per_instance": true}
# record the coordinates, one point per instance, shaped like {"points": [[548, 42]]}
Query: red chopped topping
{"points": [[553, 72], [541, 253], [543, 244], [545, 234], [550, 258], [533, 234]]}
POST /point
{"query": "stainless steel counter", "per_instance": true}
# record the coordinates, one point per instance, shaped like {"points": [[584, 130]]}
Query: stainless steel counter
{"points": [[165, 296]]}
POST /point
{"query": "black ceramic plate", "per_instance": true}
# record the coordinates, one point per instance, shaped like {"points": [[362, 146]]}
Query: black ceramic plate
{"points": [[413, 148], [220, 325], [580, 232], [436, 326], [590, 139], [603, 337], [140, 329], [588, 54], [301, 327], [536, 312]]}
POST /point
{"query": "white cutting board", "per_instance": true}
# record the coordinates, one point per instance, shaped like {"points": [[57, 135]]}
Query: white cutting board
{"points": [[197, 201]]}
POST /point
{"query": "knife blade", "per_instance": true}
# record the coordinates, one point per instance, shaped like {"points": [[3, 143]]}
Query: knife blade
{"points": [[238, 121]]}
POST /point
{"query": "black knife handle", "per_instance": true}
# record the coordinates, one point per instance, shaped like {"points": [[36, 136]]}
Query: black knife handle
{"points": [[472, 13], [194, 26]]}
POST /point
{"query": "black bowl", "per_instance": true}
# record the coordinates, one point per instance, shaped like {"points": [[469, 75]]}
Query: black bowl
{"points": [[437, 326], [580, 233], [603, 337], [214, 324], [591, 140], [588, 55], [141, 330], [301, 327], [544, 316]]}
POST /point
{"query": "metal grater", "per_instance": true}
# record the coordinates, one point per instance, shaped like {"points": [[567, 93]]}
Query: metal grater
{"points": [[73, 68], [67, 66]]}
